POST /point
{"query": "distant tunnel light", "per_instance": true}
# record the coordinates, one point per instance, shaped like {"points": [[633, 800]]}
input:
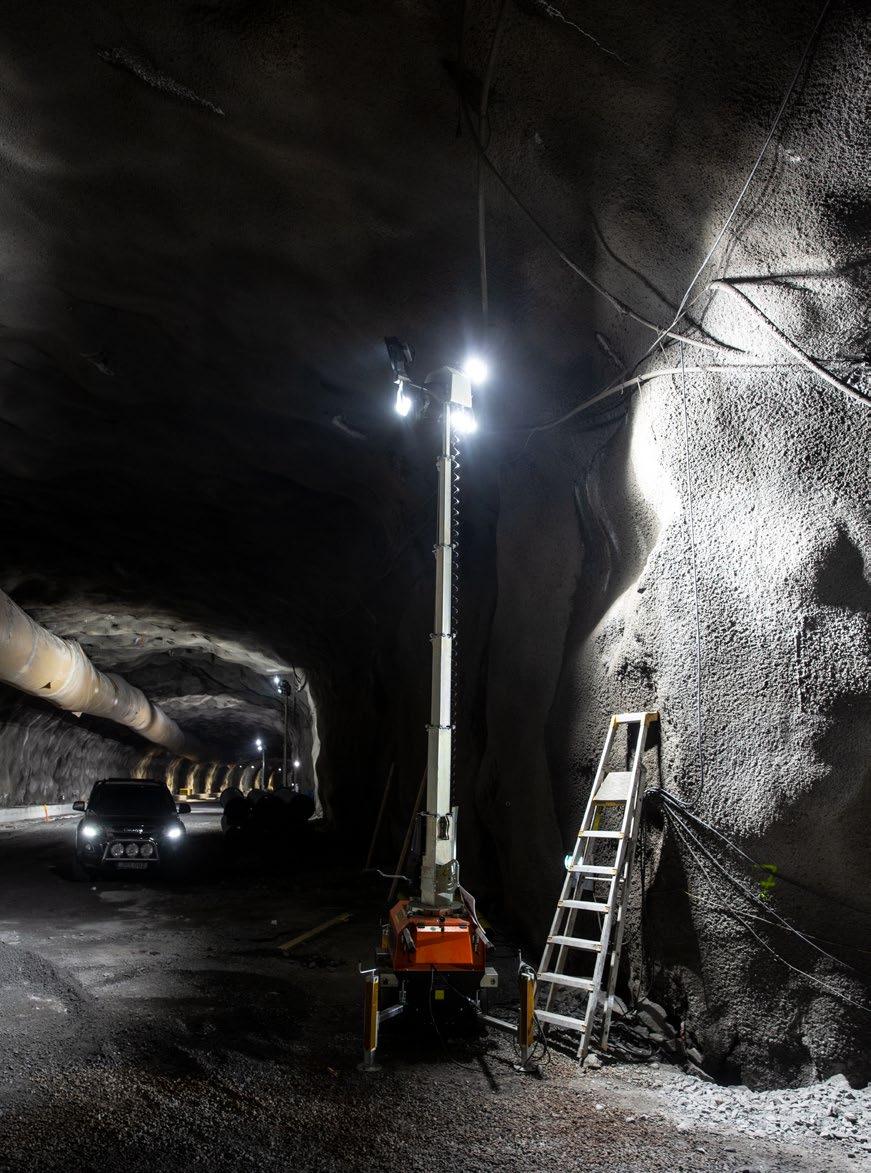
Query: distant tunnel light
{"points": [[476, 369]]}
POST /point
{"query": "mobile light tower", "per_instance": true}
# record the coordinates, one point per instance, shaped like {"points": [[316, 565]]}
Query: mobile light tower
{"points": [[432, 947]]}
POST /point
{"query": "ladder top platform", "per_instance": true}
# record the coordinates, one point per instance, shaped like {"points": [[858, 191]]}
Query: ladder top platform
{"points": [[616, 786]]}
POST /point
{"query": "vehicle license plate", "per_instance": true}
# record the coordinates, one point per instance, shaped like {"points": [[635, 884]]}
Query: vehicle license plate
{"points": [[132, 863]]}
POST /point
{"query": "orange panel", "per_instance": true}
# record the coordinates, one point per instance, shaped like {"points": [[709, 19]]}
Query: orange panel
{"points": [[423, 943]]}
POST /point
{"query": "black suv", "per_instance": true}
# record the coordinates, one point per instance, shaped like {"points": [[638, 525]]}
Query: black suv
{"points": [[130, 825]]}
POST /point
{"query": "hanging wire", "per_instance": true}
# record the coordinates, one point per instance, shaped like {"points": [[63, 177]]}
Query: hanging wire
{"points": [[773, 925], [615, 302], [682, 305], [688, 813], [484, 135], [831, 990], [626, 381], [757, 164], [431, 1004], [752, 897], [729, 286]]}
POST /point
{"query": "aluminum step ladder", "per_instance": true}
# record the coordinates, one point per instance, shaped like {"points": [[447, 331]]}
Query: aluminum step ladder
{"points": [[597, 882]]}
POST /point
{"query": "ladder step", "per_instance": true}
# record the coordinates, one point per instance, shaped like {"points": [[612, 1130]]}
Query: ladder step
{"points": [[592, 869], [561, 1020], [601, 835], [576, 943], [585, 905], [563, 979]]}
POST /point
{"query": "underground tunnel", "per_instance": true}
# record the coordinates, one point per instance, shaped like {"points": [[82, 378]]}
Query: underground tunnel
{"points": [[556, 314]]}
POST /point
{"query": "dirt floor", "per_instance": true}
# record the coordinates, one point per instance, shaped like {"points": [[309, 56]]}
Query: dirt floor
{"points": [[156, 1026]]}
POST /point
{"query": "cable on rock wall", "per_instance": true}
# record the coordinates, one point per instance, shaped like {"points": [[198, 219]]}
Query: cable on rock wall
{"points": [[682, 834], [756, 165], [628, 380], [679, 816], [620, 306], [729, 286]]}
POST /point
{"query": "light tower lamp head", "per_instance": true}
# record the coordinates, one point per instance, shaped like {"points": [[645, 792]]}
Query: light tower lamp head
{"points": [[401, 357], [476, 370], [454, 389]]}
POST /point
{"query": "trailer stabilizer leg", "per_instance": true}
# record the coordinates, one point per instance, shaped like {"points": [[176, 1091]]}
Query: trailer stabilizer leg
{"points": [[371, 989], [526, 1020]]}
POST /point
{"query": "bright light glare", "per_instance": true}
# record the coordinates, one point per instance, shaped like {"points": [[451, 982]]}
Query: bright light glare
{"points": [[403, 403], [275, 680], [91, 831], [464, 421], [475, 369], [296, 763], [174, 833]]}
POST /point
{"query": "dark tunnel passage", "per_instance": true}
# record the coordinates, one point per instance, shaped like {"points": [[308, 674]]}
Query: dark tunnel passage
{"points": [[652, 222]]}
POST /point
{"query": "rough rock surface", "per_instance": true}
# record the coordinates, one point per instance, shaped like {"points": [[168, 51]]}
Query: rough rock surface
{"points": [[211, 215], [48, 757]]}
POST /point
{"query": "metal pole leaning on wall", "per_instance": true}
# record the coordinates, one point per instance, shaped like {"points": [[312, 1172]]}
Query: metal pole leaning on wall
{"points": [[406, 843], [44, 665], [377, 827]]}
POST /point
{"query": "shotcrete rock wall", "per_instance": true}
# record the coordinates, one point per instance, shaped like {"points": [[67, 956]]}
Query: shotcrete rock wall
{"points": [[50, 757]]}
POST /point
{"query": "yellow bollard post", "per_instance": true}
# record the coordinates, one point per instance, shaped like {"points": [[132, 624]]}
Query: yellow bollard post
{"points": [[371, 989]]}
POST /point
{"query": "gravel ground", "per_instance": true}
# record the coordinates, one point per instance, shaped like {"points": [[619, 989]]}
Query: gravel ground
{"points": [[830, 1111], [145, 1026], [830, 1119]]}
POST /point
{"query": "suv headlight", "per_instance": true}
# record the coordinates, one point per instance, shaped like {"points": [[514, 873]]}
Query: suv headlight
{"points": [[174, 833], [91, 830]]}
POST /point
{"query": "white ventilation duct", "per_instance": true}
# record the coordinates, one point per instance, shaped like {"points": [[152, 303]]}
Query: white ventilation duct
{"points": [[57, 670]]}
